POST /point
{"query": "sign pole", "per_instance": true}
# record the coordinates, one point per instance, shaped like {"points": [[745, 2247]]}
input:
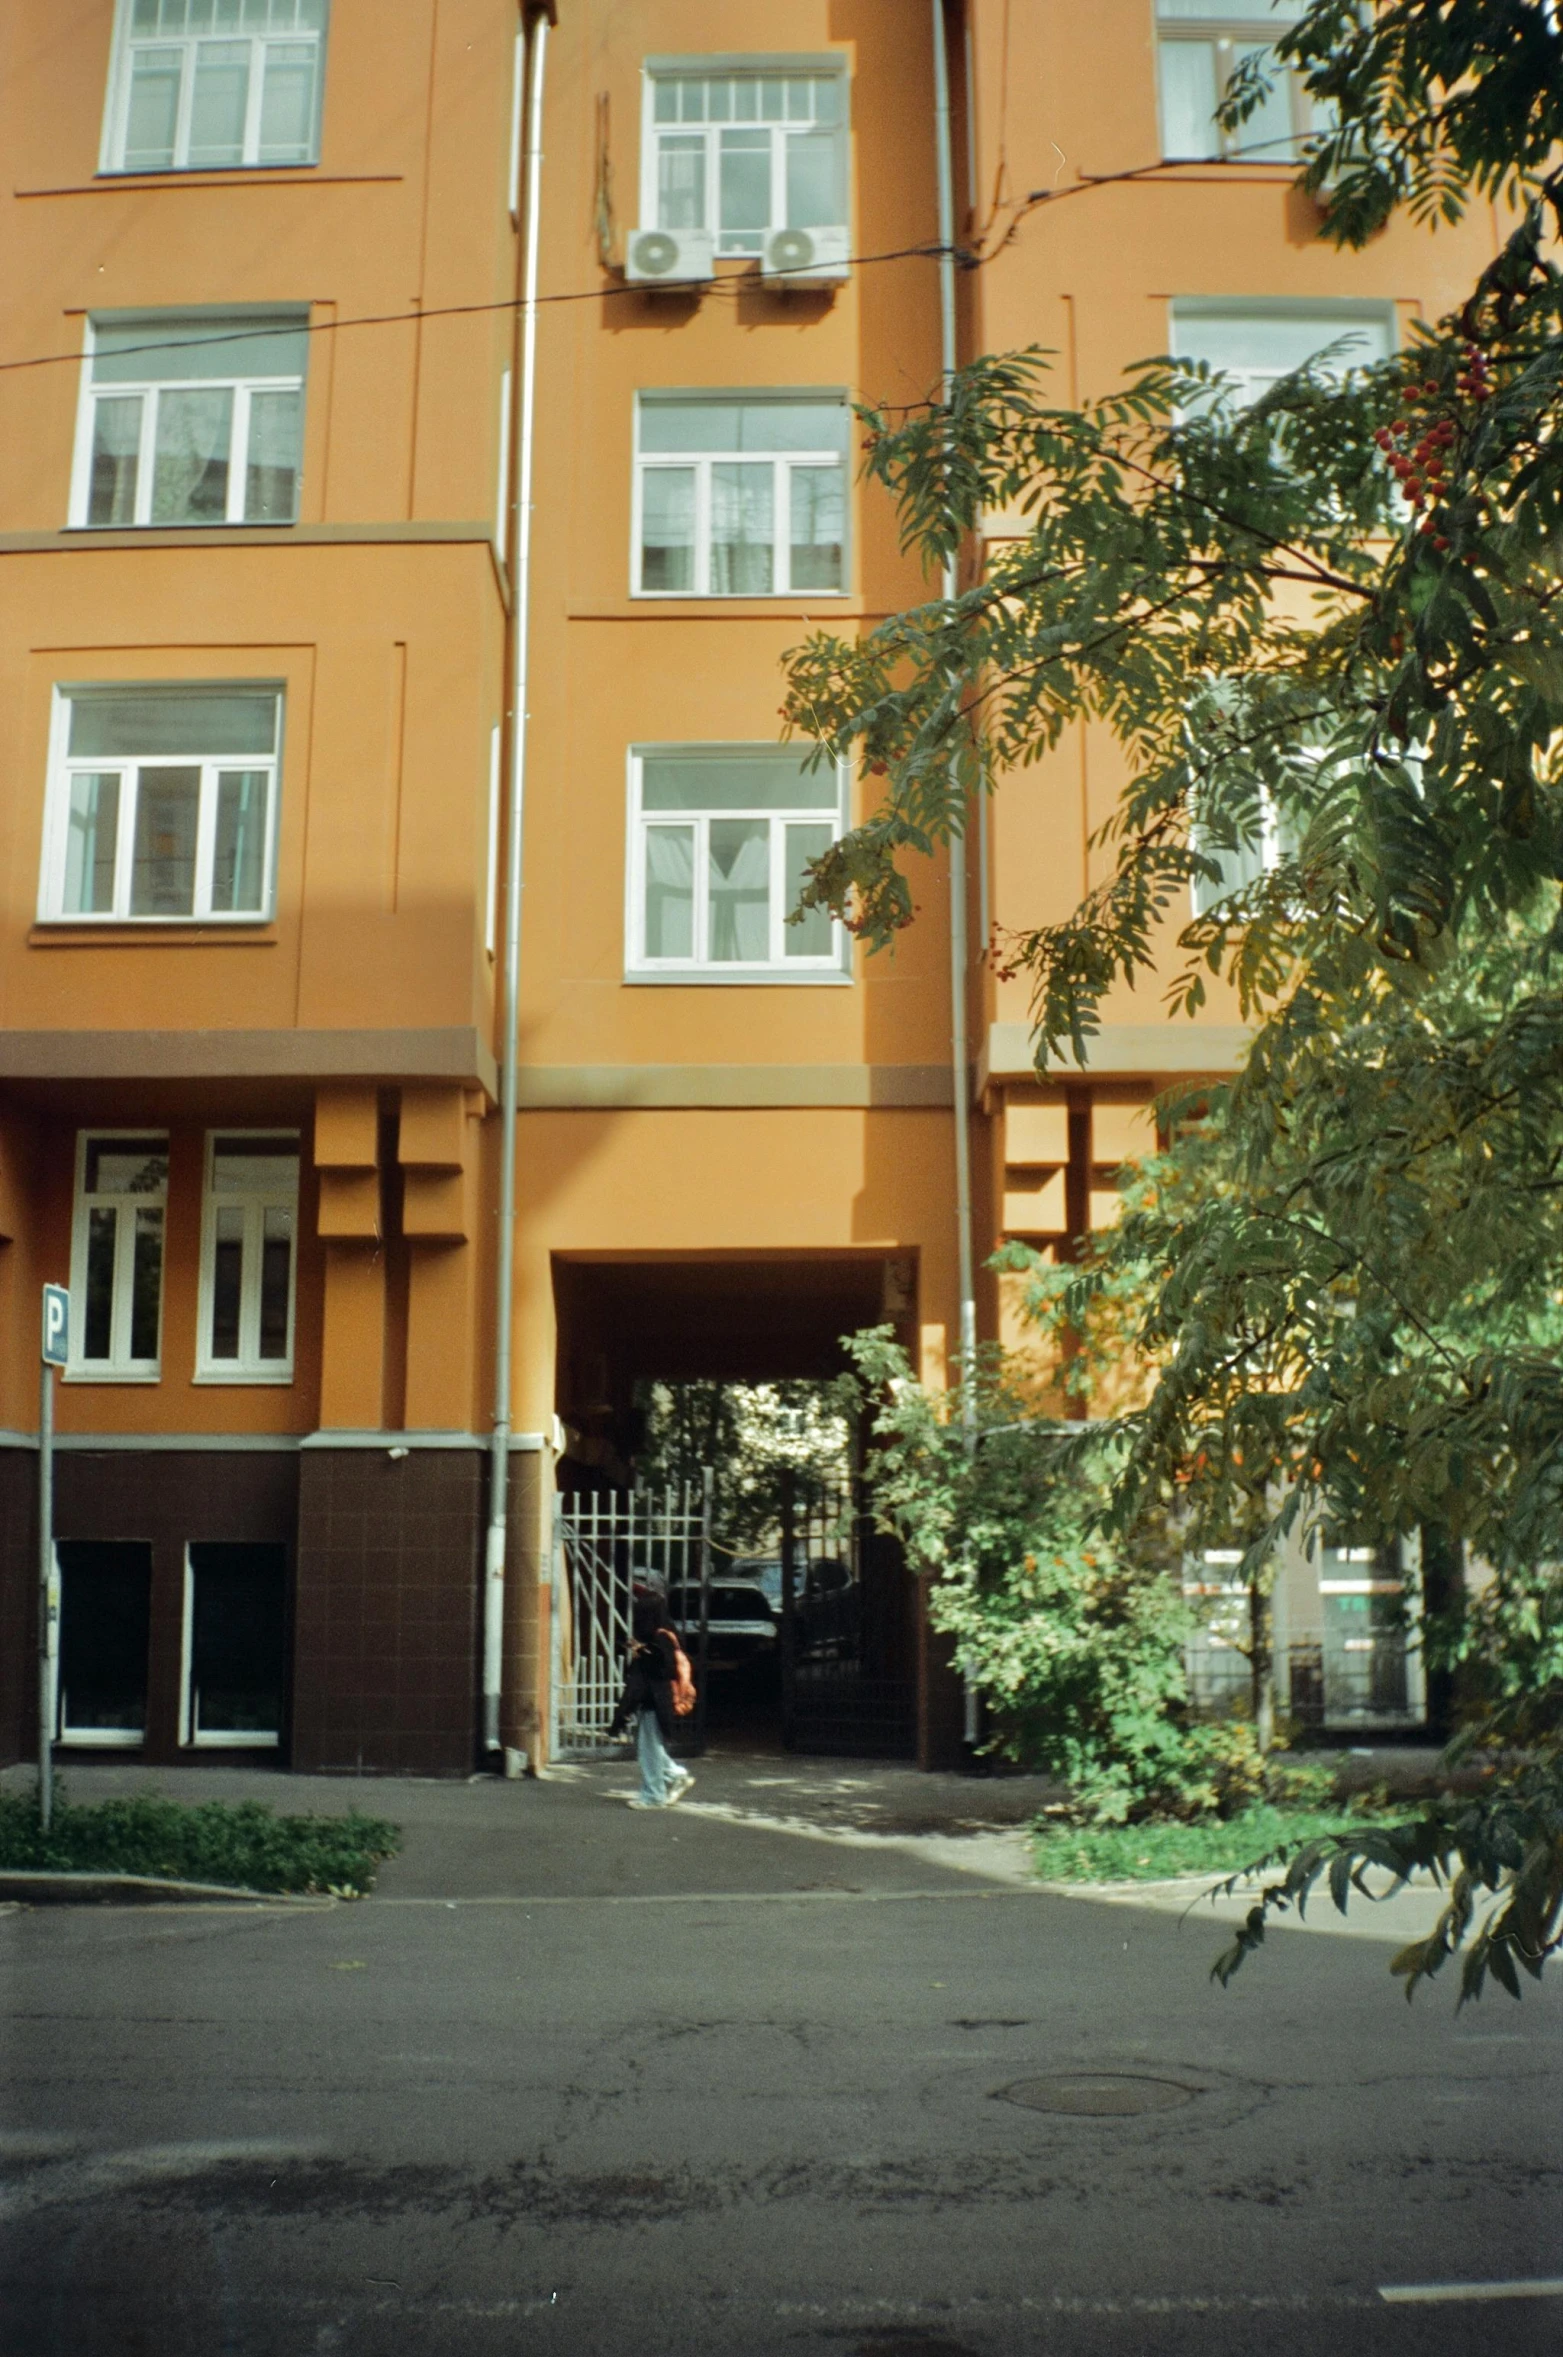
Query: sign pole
{"points": [[47, 1603], [54, 1353]]}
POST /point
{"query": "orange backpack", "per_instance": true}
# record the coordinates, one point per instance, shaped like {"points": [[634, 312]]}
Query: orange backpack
{"points": [[683, 1676]]}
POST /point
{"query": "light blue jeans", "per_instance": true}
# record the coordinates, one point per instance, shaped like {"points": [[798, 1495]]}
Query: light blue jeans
{"points": [[658, 1775]]}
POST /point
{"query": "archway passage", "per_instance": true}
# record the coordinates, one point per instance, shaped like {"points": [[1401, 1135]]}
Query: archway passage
{"points": [[838, 1671]]}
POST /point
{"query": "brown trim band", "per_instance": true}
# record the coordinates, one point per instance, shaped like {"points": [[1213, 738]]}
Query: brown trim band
{"points": [[81, 537], [455, 1054], [628, 1087]]}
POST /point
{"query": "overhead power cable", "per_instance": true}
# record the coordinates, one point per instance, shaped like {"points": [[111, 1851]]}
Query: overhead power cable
{"points": [[722, 289]]}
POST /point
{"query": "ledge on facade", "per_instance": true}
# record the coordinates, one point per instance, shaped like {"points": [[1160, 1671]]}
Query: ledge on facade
{"points": [[1119, 1051], [456, 1053], [623, 1087], [78, 537]]}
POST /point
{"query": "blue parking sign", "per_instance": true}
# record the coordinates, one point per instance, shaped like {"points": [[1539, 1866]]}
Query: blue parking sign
{"points": [[56, 1325]]}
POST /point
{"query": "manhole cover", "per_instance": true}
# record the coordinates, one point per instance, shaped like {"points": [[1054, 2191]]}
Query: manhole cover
{"points": [[1096, 2095]]}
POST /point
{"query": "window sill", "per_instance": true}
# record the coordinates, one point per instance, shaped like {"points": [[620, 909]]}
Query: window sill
{"points": [[268, 525], [101, 1738], [745, 977], [763, 602], [230, 1378], [141, 1375], [165, 932], [216, 1740], [114, 177]]}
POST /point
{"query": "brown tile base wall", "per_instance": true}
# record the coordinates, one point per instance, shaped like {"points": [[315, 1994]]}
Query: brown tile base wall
{"points": [[170, 1497], [386, 1635], [18, 1605]]}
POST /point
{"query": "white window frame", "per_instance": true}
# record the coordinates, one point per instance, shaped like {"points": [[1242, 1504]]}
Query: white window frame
{"points": [[84, 1738], [700, 970], [116, 114], [248, 1368], [119, 1366], [191, 1736], [1340, 317], [149, 392], [64, 766], [702, 462], [1226, 35], [713, 68]]}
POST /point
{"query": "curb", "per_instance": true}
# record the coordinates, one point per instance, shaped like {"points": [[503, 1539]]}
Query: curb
{"points": [[44, 1887]]}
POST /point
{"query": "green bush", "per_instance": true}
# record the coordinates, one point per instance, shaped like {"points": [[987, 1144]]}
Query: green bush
{"points": [[243, 1843], [1148, 1852]]}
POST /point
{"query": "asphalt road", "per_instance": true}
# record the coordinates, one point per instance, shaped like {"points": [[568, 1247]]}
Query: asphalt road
{"points": [[679, 2085]]}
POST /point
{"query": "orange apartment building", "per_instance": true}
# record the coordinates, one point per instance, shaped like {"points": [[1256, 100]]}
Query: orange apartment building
{"points": [[264, 465]]}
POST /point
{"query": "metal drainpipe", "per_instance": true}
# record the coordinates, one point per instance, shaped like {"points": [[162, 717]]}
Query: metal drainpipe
{"points": [[520, 615], [959, 955]]}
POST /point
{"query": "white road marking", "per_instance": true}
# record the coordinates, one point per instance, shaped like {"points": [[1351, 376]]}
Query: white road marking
{"points": [[1538, 2287]]}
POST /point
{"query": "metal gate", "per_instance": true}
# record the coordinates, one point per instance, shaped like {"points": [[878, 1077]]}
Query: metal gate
{"points": [[606, 1544], [849, 1670]]}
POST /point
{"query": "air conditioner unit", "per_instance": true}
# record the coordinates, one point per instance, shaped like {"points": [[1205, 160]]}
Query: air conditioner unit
{"points": [[807, 257], [669, 257]]}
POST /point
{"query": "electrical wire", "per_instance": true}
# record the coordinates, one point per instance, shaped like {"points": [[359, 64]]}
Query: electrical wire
{"points": [[729, 289]]}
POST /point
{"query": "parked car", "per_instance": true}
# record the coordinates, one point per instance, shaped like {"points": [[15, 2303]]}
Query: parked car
{"points": [[825, 1596], [741, 1627]]}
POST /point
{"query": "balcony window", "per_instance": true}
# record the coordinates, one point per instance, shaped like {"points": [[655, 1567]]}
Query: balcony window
{"points": [[1199, 46], [191, 418], [740, 496], [721, 836], [247, 1258], [742, 148], [207, 85], [117, 1255], [162, 805]]}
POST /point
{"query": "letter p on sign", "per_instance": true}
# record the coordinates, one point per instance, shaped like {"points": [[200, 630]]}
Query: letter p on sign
{"points": [[56, 1325]]}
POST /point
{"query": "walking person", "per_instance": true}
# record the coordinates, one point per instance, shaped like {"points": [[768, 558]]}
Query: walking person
{"points": [[648, 1698]]}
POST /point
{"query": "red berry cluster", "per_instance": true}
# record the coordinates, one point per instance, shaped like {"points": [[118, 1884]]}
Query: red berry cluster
{"points": [[1416, 449]]}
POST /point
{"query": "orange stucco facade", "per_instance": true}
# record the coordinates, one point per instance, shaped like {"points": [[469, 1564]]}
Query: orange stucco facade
{"points": [[691, 1122]]}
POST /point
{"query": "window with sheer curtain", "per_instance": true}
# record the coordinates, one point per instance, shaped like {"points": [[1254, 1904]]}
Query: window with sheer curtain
{"points": [[206, 85], [721, 838], [246, 1316], [740, 495], [1199, 46], [117, 1255], [1256, 344], [744, 146], [162, 804], [191, 418]]}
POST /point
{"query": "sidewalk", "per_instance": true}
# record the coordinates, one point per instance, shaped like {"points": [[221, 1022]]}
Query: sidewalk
{"points": [[757, 1823]]}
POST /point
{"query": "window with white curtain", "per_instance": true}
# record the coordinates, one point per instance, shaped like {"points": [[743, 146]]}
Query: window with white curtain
{"points": [[161, 804], [191, 418], [720, 841], [247, 1257], [117, 1255], [205, 85], [744, 146], [1199, 46], [740, 495], [1255, 344]]}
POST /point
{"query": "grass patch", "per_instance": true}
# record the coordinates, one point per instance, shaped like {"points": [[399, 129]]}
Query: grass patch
{"points": [[1211, 1845], [242, 1843]]}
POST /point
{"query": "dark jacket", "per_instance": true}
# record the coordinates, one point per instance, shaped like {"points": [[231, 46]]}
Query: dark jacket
{"points": [[648, 1685]]}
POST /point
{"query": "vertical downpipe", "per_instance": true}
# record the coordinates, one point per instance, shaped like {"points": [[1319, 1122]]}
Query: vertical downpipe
{"points": [[520, 615], [960, 1060]]}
